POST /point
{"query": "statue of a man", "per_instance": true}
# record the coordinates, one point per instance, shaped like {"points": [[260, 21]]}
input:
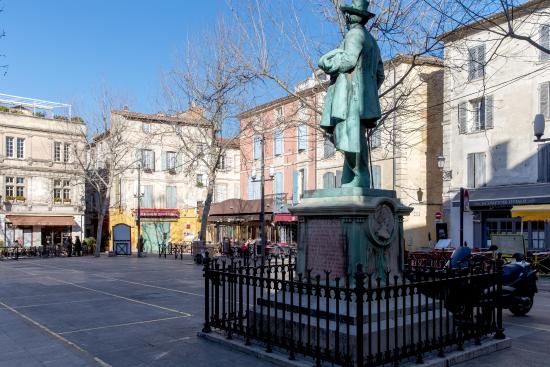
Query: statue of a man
{"points": [[351, 103]]}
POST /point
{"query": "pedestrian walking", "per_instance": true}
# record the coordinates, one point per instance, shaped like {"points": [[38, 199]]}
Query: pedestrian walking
{"points": [[69, 246], [78, 247]]}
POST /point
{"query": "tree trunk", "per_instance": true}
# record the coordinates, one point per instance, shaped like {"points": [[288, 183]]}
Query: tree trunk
{"points": [[99, 234], [206, 210]]}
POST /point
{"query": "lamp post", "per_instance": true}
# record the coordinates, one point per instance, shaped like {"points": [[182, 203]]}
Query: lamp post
{"points": [[262, 192], [138, 195], [538, 127]]}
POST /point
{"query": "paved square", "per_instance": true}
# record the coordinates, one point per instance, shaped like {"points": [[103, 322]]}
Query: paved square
{"points": [[125, 311], [119, 311]]}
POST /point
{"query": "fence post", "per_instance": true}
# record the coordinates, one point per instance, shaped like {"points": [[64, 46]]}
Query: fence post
{"points": [[500, 330], [206, 275], [359, 293]]}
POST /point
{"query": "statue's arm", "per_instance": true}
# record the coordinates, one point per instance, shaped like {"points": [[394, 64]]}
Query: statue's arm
{"points": [[344, 59]]}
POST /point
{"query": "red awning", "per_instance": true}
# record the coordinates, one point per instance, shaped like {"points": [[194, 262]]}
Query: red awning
{"points": [[40, 220], [284, 217]]}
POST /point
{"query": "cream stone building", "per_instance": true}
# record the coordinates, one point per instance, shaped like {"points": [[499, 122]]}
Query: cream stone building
{"points": [[172, 188], [408, 166], [494, 87], [41, 181]]}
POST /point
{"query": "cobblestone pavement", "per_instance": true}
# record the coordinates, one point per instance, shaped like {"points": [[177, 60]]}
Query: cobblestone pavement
{"points": [[123, 311]]}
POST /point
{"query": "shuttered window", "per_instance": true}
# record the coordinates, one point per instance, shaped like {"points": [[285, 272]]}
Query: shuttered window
{"points": [[376, 139], [278, 183], [278, 141], [476, 170], [302, 137], [328, 180], [376, 177], [257, 147], [295, 187], [462, 118], [253, 189], [476, 62], [544, 99], [328, 150], [544, 40], [544, 163], [482, 113], [147, 200], [171, 198]]}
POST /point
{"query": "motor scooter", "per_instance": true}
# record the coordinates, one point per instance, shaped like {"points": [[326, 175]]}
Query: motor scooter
{"points": [[519, 279]]}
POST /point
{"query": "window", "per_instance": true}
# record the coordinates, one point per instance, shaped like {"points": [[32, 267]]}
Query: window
{"points": [[221, 192], [224, 164], [253, 189], [544, 163], [544, 33], [146, 127], [236, 163], [376, 139], [10, 187], [257, 147], [20, 148], [376, 176], [66, 152], [476, 170], [200, 180], [278, 183], [57, 151], [148, 159], [544, 93], [328, 180], [328, 148], [476, 62], [171, 161], [9, 147], [475, 115], [147, 199], [303, 182], [279, 114], [302, 138], [61, 191], [171, 198], [278, 141], [179, 131]]}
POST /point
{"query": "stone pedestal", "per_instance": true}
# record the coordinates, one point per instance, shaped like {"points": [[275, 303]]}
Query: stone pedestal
{"points": [[340, 228]]}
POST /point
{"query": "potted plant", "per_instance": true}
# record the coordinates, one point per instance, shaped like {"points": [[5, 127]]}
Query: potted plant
{"points": [[20, 199], [10, 198], [66, 200], [57, 200], [200, 184]]}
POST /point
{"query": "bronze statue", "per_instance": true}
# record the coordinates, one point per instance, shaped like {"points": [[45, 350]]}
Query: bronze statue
{"points": [[351, 104]]}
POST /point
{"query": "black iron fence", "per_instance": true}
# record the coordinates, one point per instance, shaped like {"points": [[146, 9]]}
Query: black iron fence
{"points": [[18, 252], [359, 320]]}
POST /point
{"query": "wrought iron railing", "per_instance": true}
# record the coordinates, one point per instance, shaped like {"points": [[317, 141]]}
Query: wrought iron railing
{"points": [[358, 320]]}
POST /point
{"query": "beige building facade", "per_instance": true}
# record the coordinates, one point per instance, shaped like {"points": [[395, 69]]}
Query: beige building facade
{"points": [[41, 180]]}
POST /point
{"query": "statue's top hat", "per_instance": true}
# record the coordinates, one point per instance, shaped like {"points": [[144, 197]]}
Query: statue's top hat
{"points": [[358, 7]]}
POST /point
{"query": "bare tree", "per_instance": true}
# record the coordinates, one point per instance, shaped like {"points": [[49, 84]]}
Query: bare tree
{"points": [[213, 84], [103, 160]]}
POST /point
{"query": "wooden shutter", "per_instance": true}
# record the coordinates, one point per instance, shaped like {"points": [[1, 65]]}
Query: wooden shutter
{"points": [[295, 178], [543, 99], [278, 181], [462, 118], [163, 159], [480, 170], [480, 61], [472, 63], [179, 162], [376, 177], [471, 170], [489, 112], [544, 40], [302, 137], [250, 189]]}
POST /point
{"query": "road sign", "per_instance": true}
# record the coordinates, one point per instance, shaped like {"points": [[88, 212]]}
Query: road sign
{"points": [[438, 215]]}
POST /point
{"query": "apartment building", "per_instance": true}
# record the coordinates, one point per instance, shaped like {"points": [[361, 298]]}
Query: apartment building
{"points": [[41, 172], [493, 89]]}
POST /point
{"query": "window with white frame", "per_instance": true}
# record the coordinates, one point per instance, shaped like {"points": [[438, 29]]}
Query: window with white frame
{"points": [[146, 127], [148, 159], [61, 190], [171, 161], [279, 113], [20, 145], [57, 151], [200, 180], [475, 115], [222, 166], [376, 138], [544, 41], [302, 138], [476, 62], [9, 147], [278, 142], [66, 153], [10, 187]]}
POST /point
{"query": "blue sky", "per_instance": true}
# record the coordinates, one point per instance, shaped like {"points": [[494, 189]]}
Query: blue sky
{"points": [[65, 50]]}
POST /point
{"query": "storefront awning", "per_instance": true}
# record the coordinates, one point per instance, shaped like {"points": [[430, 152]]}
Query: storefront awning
{"points": [[532, 212], [507, 196], [40, 220]]}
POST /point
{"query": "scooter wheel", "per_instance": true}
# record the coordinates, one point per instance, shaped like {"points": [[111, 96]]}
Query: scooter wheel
{"points": [[520, 310]]}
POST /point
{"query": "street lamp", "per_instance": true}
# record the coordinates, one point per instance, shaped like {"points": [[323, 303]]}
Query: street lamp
{"points": [[538, 127], [447, 175], [139, 194], [262, 180]]}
